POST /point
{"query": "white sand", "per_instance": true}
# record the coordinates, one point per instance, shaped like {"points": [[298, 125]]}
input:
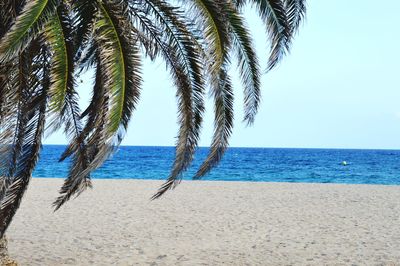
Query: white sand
{"points": [[209, 223]]}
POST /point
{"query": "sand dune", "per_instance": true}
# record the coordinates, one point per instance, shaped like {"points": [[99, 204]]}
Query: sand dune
{"points": [[209, 223]]}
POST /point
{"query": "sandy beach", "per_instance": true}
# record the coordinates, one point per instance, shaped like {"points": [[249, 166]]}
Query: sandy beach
{"points": [[209, 223]]}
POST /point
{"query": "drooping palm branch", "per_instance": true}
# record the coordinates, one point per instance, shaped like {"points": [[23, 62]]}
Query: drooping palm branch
{"points": [[45, 44]]}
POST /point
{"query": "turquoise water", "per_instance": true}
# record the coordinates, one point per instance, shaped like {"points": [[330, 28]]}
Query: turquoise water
{"points": [[245, 164]]}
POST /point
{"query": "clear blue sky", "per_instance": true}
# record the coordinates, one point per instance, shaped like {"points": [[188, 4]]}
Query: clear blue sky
{"points": [[339, 87]]}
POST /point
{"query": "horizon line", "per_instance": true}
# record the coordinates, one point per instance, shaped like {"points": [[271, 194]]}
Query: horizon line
{"points": [[251, 147]]}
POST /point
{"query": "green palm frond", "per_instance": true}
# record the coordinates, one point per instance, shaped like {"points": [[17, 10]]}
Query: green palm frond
{"points": [[63, 104], [210, 15], [120, 79], [128, 45], [61, 72], [114, 63], [112, 57], [27, 26]]}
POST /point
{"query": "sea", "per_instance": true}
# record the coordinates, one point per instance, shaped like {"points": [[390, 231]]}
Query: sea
{"points": [[243, 164]]}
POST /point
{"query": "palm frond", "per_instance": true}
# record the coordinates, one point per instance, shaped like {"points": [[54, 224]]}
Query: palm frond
{"points": [[32, 110], [62, 70], [120, 68], [181, 52], [14, 119], [274, 15], [14, 122], [131, 61], [26, 163], [248, 65], [63, 97], [217, 25], [84, 17], [188, 132], [9, 9], [26, 27], [78, 176], [112, 57], [223, 124], [211, 17], [295, 10]]}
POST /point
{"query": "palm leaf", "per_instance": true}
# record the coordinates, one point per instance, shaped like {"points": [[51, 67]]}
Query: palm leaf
{"points": [[248, 65], [78, 177], [274, 15], [84, 18], [210, 15], [8, 11], [120, 79], [14, 122], [27, 26], [223, 124], [295, 10], [33, 110], [26, 163], [181, 52], [61, 74], [63, 97], [112, 57]]}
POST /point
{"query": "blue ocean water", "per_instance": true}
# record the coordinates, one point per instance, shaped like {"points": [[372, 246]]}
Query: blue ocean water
{"points": [[244, 164]]}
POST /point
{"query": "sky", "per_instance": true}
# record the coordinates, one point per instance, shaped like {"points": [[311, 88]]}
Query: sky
{"points": [[338, 88]]}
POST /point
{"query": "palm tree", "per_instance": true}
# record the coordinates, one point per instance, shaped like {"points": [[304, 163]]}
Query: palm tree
{"points": [[46, 44]]}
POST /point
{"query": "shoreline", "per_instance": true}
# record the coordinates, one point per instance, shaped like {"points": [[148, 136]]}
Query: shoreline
{"points": [[208, 222], [224, 181]]}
